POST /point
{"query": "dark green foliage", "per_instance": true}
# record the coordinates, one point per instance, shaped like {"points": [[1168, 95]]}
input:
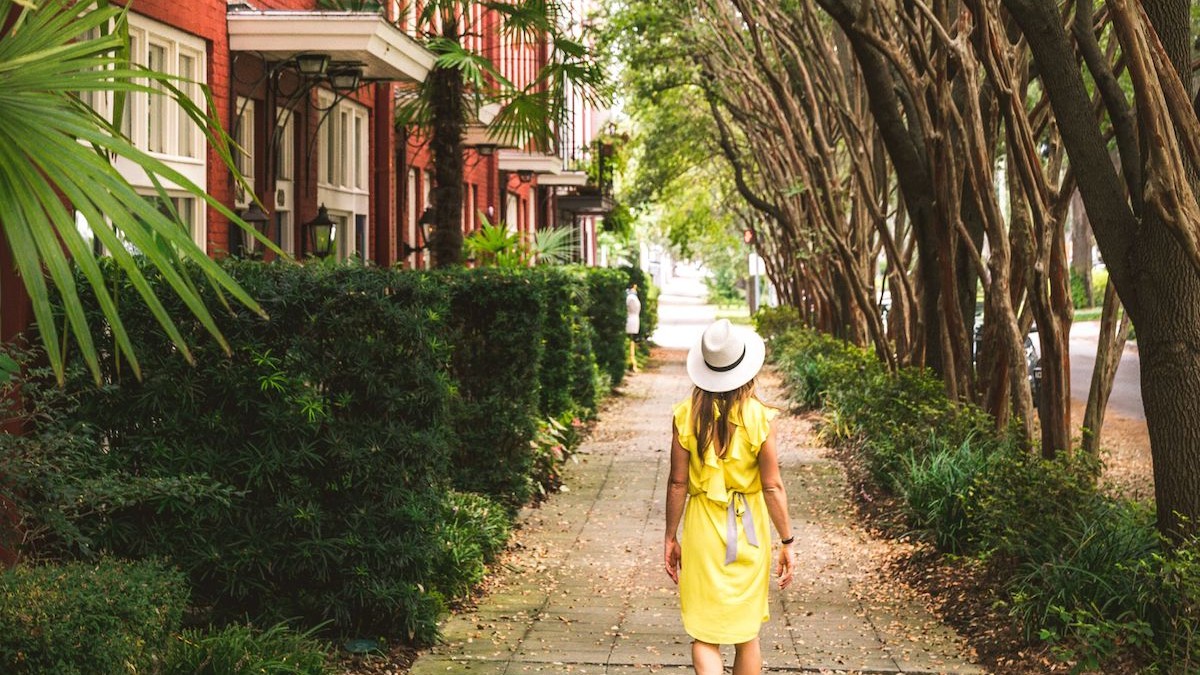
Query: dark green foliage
{"points": [[329, 427], [1079, 299], [568, 375], [496, 318], [1010, 501], [308, 475], [238, 649], [107, 618], [772, 322], [937, 493], [473, 530], [1086, 571], [607, 314], [1084, 566]]}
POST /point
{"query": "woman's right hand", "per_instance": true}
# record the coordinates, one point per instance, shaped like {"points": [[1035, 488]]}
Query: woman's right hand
{"points": [[671, 558], [785, 567]]}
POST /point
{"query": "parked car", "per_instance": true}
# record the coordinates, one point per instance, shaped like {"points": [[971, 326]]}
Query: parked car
{"points": [[1033, 356]]}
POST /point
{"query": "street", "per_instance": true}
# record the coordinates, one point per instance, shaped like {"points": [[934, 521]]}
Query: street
{"points": [[1126, 398]]}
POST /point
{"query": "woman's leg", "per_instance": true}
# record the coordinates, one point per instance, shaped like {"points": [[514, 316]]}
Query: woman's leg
{"points": [[748, 660], [706, 658], [632, 356]]}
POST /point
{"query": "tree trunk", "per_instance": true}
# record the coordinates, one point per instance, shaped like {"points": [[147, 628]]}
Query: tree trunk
{"points": [[1081, 248], [449, 119], [1109, 349], [1153, 274]]}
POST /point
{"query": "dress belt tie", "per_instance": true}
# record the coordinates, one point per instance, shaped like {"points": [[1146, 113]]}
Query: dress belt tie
{"points": [[731, 533]]}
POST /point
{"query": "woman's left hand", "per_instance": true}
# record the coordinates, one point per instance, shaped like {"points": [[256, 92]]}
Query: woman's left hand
{"points": [[784, 568], [671, 553]]}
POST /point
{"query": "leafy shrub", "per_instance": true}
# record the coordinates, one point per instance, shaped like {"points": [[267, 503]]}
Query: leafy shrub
{"points": [[1085, 571], [1083, 588], [107, 618], [328, 428], [607, 314], [472, 529], [568, 374], [75, 498], [239, 649], [496, 318], [1079, 298], [1010, 502], [725, 286], [773, 322], [937, 489], [1169, 585]]}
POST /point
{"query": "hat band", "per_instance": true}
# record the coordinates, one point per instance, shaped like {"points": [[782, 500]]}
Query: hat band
{"points": [[725, 369]]}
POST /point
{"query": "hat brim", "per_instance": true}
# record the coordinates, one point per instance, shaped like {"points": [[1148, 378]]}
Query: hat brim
{"points": [[710, 380]]}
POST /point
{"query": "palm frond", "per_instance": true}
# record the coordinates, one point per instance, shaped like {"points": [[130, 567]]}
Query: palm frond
{"points": [[554, 246], [52, 146]]}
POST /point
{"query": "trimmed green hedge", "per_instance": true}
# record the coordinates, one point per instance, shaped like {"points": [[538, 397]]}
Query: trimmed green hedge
{"points": [[309, 475], [607, 314], [496, 318], [568, 375], [331, 425], [107, 618]]}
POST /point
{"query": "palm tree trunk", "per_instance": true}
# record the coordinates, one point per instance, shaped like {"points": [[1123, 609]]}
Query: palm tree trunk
{"points": [[449, 120]]}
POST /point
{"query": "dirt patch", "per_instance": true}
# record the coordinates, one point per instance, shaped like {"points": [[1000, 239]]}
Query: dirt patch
{"points": [[1125, 444]]}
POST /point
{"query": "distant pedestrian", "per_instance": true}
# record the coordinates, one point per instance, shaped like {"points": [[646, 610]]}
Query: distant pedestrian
{"points": [[725, 467], [633, 322]]}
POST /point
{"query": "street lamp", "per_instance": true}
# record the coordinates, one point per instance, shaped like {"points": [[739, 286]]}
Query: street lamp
{"points": [[255, 217], [345, 79], [426, 223], [311, 65], [322, 230]]}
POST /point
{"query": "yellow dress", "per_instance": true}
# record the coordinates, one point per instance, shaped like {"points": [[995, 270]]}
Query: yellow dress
{"points": [[723, 585]]}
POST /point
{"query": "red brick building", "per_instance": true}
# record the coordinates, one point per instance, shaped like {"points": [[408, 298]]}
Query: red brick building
{"points": [[310, 96]]}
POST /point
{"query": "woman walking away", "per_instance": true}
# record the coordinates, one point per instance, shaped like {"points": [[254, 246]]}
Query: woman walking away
{"points": [[724, 465], [633, 322]]}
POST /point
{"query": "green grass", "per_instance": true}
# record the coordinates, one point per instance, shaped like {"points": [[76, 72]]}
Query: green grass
{"points": [[1088, 314], [737, 313]]}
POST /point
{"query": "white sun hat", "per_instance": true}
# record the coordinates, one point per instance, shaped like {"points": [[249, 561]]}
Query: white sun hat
{"points": [[725, 357]]}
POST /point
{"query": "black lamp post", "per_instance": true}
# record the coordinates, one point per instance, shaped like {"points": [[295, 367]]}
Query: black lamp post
{"points": [[322, 231], [255, 217]]}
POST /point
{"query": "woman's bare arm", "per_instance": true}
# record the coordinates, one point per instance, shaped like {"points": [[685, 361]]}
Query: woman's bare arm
{"points": [[777, 504], [676, 495]]}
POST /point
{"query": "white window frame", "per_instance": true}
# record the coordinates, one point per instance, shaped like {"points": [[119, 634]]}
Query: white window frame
{"points": [[342, 183], [285, 207], [410, 215], [190, 161], [244, 159]]}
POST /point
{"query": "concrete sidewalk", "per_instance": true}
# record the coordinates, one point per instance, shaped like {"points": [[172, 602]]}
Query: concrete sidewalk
{"points": [[582, 589]]}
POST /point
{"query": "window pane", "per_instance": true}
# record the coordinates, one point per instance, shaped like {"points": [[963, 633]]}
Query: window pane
{"points": [[343, 151], [283, 152], [127, 109], [359, 145], [156, 110], [245, 137], [187, 128], [331, 149]]}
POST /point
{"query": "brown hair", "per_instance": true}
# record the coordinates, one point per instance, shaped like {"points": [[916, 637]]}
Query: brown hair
{"points": [[705, 425]]}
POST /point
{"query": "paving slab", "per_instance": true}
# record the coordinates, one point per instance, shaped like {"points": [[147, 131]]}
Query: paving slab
{"points": [[581, 588]]}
